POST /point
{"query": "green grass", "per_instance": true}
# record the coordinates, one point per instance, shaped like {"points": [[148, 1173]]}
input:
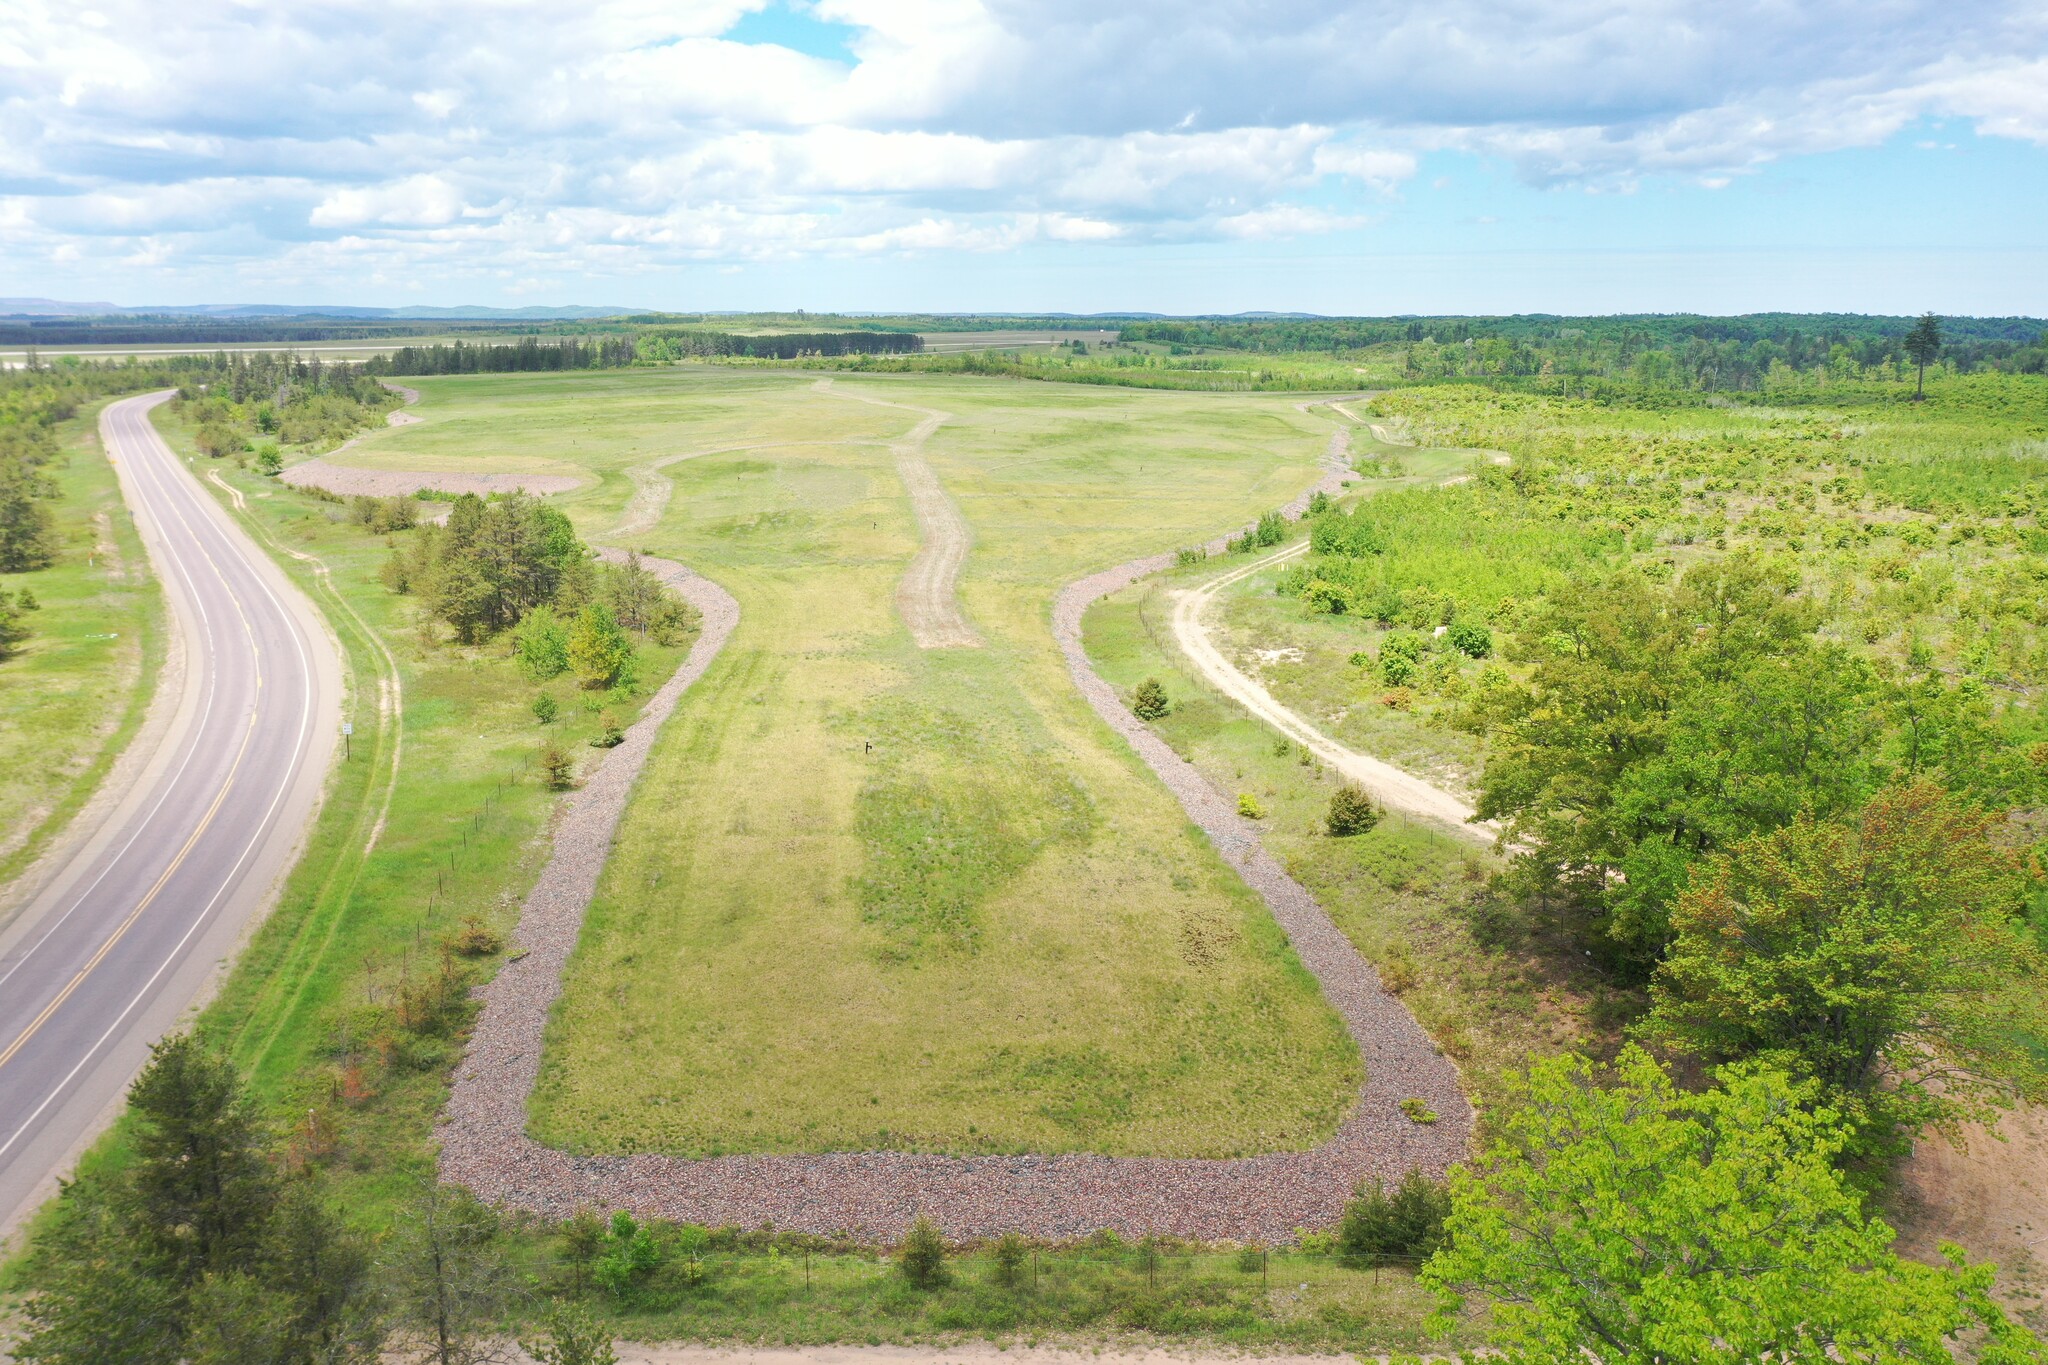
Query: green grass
{"points": [[74, 697], [1105, 1296], [1490, 986], [1003, 933]]}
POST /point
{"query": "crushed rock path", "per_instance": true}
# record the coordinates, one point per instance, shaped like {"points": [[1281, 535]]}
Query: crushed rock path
{"points": [[483, 1137]]}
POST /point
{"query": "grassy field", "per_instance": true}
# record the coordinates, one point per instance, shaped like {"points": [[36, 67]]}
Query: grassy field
{"points": [[912, 844], [71, 700]]}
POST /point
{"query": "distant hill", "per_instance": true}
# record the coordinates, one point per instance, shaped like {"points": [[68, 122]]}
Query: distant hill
{"points": [[52, 308]]}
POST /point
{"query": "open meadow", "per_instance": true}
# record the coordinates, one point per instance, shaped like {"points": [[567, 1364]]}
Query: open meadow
{"points": [[876, 896]]}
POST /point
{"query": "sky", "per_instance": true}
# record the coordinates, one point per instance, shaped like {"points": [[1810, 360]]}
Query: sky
{"points": [[1177, 156]]}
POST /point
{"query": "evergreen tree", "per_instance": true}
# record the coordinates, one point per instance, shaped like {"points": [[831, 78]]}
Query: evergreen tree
{"points": [[1923, 344]]}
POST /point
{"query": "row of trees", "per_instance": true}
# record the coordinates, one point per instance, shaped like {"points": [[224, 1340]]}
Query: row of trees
{"points": [[672, 345], [1692, 352], [521, 356]]}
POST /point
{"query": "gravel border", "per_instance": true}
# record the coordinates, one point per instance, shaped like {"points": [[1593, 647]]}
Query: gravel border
{"points": [[483, 1137]]}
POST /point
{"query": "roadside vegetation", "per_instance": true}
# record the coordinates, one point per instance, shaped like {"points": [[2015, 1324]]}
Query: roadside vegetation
{"points": [[81, 618]]}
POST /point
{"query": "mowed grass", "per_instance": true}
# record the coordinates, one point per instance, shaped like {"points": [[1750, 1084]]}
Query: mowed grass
{"points": [[75, 694], [874, 897]]}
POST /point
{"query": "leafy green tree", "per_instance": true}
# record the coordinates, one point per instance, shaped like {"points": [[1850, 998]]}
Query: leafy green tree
{"points": [[601, 653], [1923, 344], [629, 1257], [922, 1257], [1883, 957], [541, 644], [1149, 702], [545, 707], [1619, 1219]]}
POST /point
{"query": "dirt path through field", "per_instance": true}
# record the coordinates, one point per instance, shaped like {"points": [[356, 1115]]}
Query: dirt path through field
{"points": [[928, 599], [1394, 788]]}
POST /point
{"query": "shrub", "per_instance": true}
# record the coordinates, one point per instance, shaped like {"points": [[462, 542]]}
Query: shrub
{"points": [[474, 938], [1248, 806], [630, 1255], [922, 1257], [541, 644], [14, 631], [545, 708], [1325, 597], [1351, 812], [268, 461], [1251, 1257], [574, 1338], [599, 650], [1417, 1110], [1470, 638], [1149, 701], [1011, 1251], [1398, 698], [1407, 1223], [557, 768], [1318, 503], [1190, 554], [609, 732]]}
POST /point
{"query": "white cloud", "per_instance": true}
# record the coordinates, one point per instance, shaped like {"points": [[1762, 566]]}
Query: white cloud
{"points": [[521, 136]]}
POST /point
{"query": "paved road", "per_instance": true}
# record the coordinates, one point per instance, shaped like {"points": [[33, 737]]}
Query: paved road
{"points": [[152, 900]]}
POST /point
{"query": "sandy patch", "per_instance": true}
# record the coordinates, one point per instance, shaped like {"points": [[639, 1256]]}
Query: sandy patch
{"points": [[350, 481], [1989, 1197]]}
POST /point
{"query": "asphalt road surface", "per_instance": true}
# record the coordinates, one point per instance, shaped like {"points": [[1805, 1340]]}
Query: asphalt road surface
{"points": [[150, 900]]}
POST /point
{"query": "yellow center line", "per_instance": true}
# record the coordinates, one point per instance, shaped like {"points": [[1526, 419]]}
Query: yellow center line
{"points": [[22, 1039]]}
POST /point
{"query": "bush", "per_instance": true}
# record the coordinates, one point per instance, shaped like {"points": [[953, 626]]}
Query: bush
{"points": [[609, 732], [541, 644], [268, 461], [545, 708], [1251, 1258], [1407, 1224], [922, 1257], [1248, 806], [474, 939], [574, 1338], [1149, 701], [1325, 598], [599, 650], [14, 631], [1470, 638], [1351, 812], [1011, 1251], [629, 1257], [557, 769]]}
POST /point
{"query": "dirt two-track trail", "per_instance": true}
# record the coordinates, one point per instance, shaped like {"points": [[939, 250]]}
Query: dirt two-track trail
{"points": [[928, 599], [132, 923]]}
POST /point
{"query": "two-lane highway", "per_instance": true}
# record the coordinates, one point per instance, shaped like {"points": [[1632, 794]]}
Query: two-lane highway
{"points": [[130, 932]]}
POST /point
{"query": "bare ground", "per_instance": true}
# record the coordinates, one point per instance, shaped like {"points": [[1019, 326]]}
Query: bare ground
{"points": [[349, 481], [1988, 1196]]}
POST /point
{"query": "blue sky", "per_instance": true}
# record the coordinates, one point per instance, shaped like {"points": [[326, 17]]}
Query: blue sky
{"points": [[1193, 156]]}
